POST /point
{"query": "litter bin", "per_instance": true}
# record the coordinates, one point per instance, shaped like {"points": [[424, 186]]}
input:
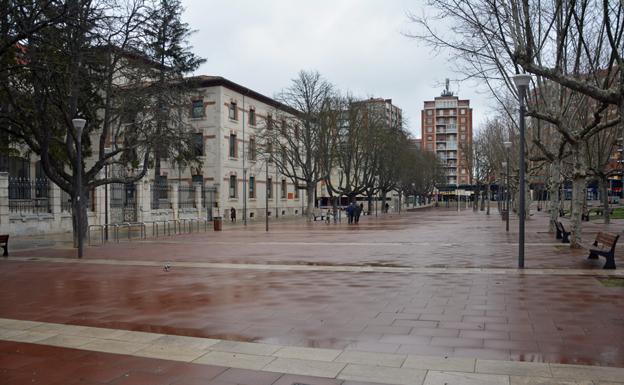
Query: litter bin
{"points": [[504, 214], [218, 223]]}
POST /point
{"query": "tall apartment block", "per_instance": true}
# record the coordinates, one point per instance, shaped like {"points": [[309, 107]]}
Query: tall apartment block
{"points": [[446, 125]]}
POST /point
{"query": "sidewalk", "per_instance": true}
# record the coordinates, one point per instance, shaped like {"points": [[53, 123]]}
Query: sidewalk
{"points": [[433, 283]]}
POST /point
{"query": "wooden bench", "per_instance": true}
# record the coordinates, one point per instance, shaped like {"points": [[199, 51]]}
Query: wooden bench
{"points": [[4, 243], [562, 233], [604, 245], [598, 210]]}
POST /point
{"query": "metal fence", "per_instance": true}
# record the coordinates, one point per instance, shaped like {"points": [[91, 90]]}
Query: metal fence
{"points": [[29, 196], [186, 196], [161, 195], [209, 201], [123, 202]]}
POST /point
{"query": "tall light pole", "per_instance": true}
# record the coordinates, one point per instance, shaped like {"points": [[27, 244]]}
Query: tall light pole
{"points": [[266, 197], [522, 83], [78, 126], [107, 151], [507, 145]]}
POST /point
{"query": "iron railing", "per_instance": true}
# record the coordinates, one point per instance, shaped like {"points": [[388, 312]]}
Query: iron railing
{"points": [[186, 196], [29, 196], [161, 196]]}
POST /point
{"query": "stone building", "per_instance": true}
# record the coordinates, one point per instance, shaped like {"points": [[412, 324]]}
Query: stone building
{"points": [[225, 118]]}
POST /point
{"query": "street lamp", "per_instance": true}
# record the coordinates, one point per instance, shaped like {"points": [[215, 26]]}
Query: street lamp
{"points": [[522, 83], [507, 145], [107, 150], [79, 125]]}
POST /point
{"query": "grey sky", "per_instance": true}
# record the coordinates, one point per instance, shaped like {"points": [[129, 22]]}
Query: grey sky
{"points": [[356, 44]]}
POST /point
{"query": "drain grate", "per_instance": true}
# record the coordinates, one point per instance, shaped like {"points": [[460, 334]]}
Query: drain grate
{"points": [[611, 281]]}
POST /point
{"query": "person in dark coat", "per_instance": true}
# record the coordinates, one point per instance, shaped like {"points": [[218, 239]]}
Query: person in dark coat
{"points": [[358, 212], [233, 214], [350, 212]]}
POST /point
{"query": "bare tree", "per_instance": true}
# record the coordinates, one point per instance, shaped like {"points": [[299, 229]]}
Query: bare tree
{"points": [[91, 66], [302, 133]]}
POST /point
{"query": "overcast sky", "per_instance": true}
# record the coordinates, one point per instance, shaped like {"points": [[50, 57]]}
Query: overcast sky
{"points": [[355, 44]]}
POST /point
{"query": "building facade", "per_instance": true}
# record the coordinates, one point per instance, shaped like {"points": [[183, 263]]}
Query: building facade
{"points": [[446, 125], [225, 118]]}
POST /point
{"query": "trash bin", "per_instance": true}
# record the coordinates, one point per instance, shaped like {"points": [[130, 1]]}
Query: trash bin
{"points": [[504, 214], [218, 223]]}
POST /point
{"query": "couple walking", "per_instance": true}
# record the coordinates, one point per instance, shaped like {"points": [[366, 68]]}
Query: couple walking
{"points": [[354, 211]]}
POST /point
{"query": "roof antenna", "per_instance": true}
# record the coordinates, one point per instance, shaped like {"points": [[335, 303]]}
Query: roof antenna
{"points": [[447, 92]]}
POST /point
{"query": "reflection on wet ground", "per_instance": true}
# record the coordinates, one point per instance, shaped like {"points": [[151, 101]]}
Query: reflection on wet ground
{"points": [[566, 319]]}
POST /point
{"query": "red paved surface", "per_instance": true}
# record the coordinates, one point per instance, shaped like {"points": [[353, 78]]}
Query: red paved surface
{"points": [[33, 364], [567, 319], [426, 238]]}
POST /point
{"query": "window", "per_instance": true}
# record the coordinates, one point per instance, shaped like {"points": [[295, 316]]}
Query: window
{"points": [[462, 120], [198, 144], [284, 157], [233, 111], [269, 122], [462, 137], [429, 121], [252, 187], [452, 112], [233, 146], [252, 148], [197, 111], [462, 111], [284, 127], [284, 188], [429, 129], [462, 128], [429, 138], [429, 112], [270, 151], [296, 192], [252, 116], [297, 131], [269, 188], [232, 186]]}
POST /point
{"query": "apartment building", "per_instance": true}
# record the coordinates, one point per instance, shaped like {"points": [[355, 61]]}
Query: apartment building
{"points": [[231, 173], [446, 125]]}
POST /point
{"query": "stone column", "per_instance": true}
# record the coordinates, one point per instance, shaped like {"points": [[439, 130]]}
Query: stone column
{"points": [[198, 199], [174, 198], [4, 203], [55, 205], [144, 200]]}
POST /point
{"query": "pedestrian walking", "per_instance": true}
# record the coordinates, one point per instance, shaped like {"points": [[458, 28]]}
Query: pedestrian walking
{"points": [[386, 206], [233, 214], [358, 212], [350, 212]]}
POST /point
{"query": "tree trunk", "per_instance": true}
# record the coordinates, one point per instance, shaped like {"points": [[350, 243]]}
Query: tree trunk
{"points": [[578, 187], [310, 189], [370, 202], [475, 202], [554, 184], [383, 202], [604, 186], [487, 193], [79, 210]]}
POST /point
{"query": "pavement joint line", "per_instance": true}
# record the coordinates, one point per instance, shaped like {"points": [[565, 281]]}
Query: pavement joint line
{"points": [[331, 268], [341, 364]]}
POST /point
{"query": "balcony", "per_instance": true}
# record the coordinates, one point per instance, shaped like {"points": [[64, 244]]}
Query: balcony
{"points": [[451, 146]]}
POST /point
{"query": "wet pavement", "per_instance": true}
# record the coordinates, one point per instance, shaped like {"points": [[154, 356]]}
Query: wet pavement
{"points": [[481, 314]]}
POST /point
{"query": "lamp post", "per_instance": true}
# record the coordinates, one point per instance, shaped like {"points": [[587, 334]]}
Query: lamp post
{"points": [[107, 151], [507, 145], [522, 83], [78, 126], [266, 197]]}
